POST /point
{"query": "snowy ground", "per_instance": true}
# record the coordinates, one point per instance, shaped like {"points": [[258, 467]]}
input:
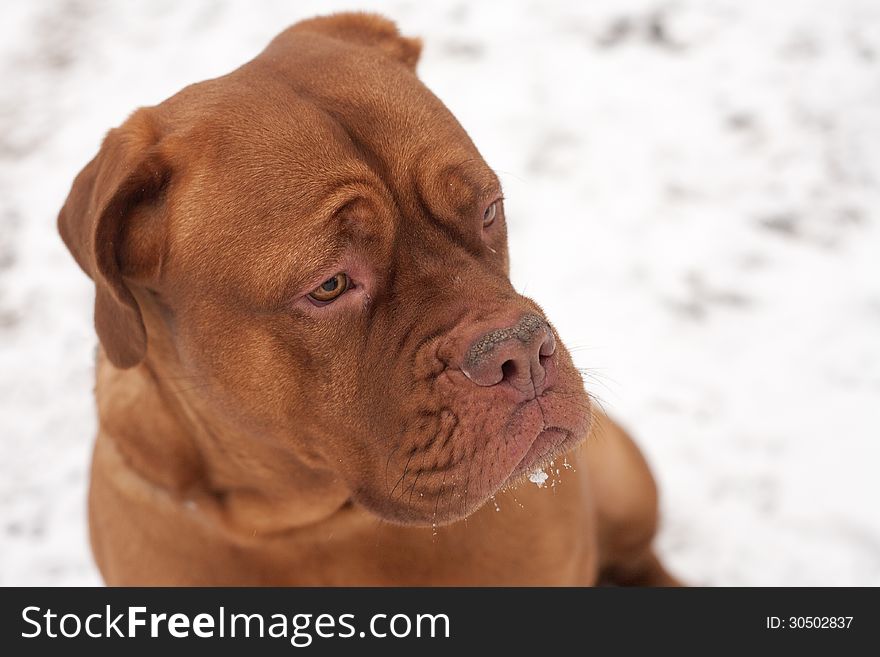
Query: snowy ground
{"points": [[694, 197]]}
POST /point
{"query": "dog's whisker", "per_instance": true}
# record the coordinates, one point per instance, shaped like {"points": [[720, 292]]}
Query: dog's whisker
{"points": [[403, 476]]}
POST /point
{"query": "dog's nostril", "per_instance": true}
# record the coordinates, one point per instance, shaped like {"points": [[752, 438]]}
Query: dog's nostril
{"points": [[508, 370], [548, 346]]}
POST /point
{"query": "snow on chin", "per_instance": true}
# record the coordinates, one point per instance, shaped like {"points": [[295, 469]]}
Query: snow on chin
{"points": [[538, 477]]}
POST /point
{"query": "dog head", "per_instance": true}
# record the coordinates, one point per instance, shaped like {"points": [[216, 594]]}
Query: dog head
{"points": [[315, 241]]}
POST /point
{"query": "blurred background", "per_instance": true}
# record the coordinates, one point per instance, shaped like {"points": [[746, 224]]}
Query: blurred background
{"points": [[693, 195]]}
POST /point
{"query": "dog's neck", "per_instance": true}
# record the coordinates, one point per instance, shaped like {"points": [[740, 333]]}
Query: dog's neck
{"points": [[245, 486]]}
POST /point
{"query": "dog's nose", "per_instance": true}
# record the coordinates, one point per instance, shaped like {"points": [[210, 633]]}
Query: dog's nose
{"points": [[517, 354]]}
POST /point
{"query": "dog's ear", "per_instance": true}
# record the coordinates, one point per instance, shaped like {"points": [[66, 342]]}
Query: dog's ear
{"points": [[111, 223], [368, 30]]}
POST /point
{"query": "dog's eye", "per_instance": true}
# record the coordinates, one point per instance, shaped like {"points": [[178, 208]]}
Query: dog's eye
{"points": [[489, 214], [330, 289]]}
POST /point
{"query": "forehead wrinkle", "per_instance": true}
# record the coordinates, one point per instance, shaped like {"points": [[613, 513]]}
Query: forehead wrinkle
{"points": [[449, 187], [330, 236], [476, 169], [285, 154], [391, 134], [375, 186], [358, 175]]}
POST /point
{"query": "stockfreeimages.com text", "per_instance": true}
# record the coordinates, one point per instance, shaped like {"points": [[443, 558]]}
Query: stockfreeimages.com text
{"points": [[300, 629]]}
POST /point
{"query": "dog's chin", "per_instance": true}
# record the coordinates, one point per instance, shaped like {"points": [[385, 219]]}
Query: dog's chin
{"points": [[442, 498]]}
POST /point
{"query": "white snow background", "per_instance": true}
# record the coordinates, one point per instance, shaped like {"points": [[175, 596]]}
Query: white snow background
{"points": [[693, 192]]}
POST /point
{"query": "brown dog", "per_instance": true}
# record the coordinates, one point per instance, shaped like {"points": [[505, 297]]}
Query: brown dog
{"points": [[313, 367]]}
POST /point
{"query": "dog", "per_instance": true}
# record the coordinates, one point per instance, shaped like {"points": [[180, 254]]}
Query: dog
{"points": [[312, 366]]}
